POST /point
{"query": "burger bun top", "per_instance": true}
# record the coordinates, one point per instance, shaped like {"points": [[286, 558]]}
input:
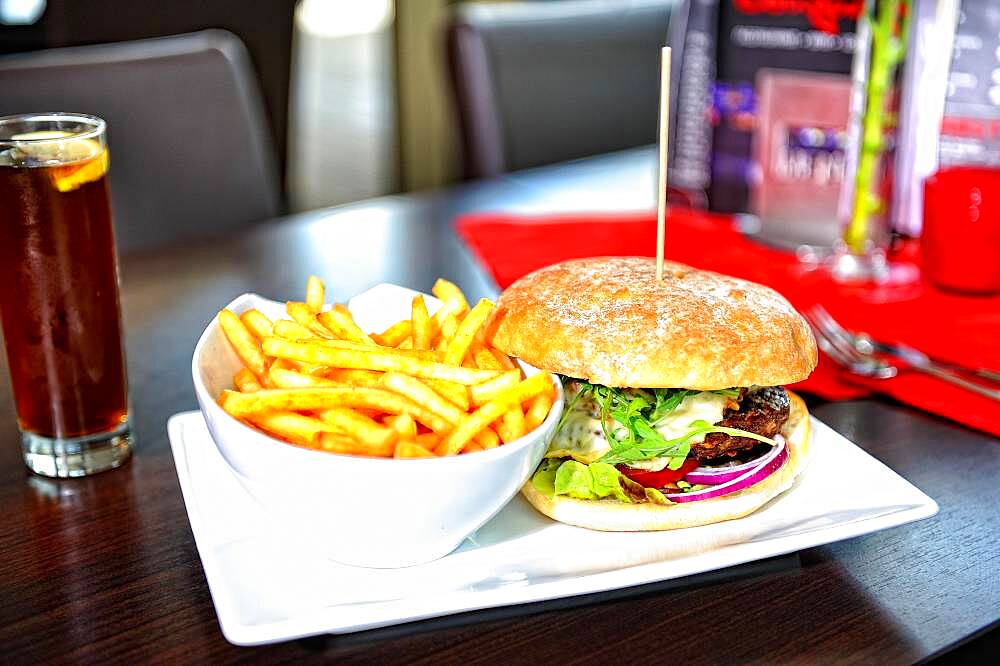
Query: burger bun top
{"points": [[609, 321]]}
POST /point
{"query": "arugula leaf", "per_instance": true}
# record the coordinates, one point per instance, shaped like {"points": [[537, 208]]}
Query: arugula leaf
{"points": [[569, 407], [638, 412], [674, 447]]}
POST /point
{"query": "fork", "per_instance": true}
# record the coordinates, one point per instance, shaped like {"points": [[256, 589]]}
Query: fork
{"points": [[865, 344], [859, 364], [838, 343]]}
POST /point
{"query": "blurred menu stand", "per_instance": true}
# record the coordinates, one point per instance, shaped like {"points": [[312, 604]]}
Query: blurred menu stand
{"points": [[773, 80]]}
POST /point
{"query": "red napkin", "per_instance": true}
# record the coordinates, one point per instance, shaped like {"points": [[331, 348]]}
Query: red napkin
{"points": [[957, 328]]}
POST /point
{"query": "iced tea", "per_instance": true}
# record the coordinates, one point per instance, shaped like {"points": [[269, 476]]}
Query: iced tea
{"points": [[59, 294]]}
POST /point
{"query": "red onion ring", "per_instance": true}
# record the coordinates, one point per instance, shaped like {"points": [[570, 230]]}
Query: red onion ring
{"points": [[766, 467], [713, 476]]}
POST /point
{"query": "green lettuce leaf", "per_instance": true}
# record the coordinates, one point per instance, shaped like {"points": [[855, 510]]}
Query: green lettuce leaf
{"points": [[544, 479], [594, 481], [574, 479]]}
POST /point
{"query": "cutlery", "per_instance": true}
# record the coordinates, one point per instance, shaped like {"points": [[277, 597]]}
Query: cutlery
{"points": [[837, 343], [859, 364], [866, 344]]}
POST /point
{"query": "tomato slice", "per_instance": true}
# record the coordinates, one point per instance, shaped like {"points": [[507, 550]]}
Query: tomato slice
{"points": [[658, 479]]}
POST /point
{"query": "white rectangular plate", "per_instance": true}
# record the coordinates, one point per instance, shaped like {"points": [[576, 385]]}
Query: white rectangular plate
{"points": [[267, 587]]}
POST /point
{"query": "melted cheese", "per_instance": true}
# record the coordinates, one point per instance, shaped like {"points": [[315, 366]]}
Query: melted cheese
{"points": [[582, 437]]}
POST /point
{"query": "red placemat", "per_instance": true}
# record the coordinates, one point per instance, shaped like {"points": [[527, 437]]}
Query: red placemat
{"points": [[957, 328]]}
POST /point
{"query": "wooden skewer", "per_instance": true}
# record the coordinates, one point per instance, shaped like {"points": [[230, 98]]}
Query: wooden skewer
{"points": [[661, 180]]}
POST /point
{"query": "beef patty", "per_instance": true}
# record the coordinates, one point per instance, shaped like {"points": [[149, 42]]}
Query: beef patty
{"points": [[761, 410]]}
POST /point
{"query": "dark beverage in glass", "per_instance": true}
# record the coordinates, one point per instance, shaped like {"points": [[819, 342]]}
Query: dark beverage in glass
{"points": [[59, 294]]}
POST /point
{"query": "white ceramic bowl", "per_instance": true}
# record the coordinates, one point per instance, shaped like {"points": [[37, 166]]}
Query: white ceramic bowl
{"points": [[363, 511]]}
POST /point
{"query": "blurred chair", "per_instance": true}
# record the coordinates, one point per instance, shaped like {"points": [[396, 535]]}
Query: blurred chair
{"points": [[190, 151], [543, 82]]}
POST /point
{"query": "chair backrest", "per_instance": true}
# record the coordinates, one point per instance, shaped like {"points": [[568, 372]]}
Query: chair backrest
{"points": [[190, 150], [543, 82]]}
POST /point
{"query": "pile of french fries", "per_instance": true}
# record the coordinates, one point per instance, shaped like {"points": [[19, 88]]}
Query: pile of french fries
{"points": [[427, 386]]}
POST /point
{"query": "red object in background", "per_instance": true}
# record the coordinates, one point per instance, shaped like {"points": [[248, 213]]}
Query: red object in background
{"points": [[953, 327], [961, 233]]}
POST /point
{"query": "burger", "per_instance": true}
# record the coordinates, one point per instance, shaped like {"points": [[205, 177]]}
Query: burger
{"points": [[676, 413]]}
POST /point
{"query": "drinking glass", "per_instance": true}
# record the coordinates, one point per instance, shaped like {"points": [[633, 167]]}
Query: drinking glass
{"points": [[59, 294], [960, 244]]}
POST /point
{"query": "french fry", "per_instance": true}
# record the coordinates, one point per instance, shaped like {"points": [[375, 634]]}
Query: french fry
{"points": [[447, 330], [360, 427], [503, 359], [285, 328], [242, 405], [425, 396], [257, 323], [282, 378], [315, 294], [512, 425], [338, 443], [437, 321], [296, 428], [296, 366], [538, 409], [480, 394], [306, 318], [457, 393], [319, 381], [480, 419], [395, 334], [409, 449], [487, 438], [246, 381], [451, 296], [466, 331], [402, 424], [374, 359], [428, 440], [340, 321], [243, 342], [285, 364], [427, 355], [485, 360], [421, 323], [484, 357], [349, 377], [422, 394]]}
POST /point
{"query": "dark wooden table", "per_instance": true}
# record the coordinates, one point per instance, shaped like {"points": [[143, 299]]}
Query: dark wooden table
{"points": [[106, 567]]}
